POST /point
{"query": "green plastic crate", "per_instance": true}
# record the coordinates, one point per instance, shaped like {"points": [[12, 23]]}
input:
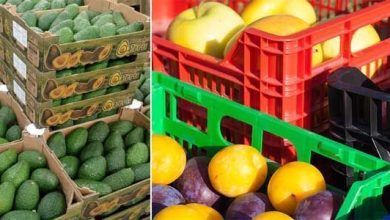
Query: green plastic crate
{"points": [[364, 198]]}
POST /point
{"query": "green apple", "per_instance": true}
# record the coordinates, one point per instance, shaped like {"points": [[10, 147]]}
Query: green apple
{"points": [[206, 28]]}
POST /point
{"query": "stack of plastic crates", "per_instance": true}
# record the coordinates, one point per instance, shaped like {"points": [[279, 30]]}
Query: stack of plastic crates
{"points": [[365, 199]]}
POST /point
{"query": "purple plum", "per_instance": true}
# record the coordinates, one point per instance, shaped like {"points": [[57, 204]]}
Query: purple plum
{"points": [[321, 206], [247, 206], [164, 196], [194, 184]]}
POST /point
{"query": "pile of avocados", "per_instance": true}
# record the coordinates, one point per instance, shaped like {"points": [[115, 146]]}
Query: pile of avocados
{"points": [[105, 157], [29, 189]]}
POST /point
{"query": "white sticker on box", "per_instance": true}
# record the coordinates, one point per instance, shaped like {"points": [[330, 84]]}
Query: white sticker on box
{"points": [[19, 33], [19, 92], [20, 66]]}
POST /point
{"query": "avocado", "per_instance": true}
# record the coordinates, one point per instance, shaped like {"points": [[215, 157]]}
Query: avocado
{"points": [[46, 20], [7, 115], [63, 73], [27, 196], [26, 5], [65, 35], [65, 23], [42, 5], [3, 128], [117, 88], [71, 165], [80, 24], [35, 159], [46, 179], [21, 214], [17, 174], [7, 159], [76, 140], [108, 18], [120, 179], [114, 140], [107, 30], [97, 93], [135, 136], [7, 192], [3, 141], [72, 9], [77, 2], [138, 95], [93, 169], [98, 132], [93, 14], [116, 160], [101, 188], [58, 4], [131, 28], [145, 88], [121, 126], [82, 16], [91, 32], [86, 119], [108, 113], [93, 149], [30, 18], [52, 205], [137, 154], [57, 144], [96, 66], [65, 125], [119, 20], [141, 171], [13, 133]]}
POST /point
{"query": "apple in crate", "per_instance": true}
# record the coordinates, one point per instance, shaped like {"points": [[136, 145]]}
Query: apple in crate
{"points": [[206, 28]]}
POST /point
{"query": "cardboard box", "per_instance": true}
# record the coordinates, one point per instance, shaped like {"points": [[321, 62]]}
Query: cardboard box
{"points": [[142, 6], [132, 213], [44, 114], [73, 197], [43, 49], [93, 205], [41, 84]]}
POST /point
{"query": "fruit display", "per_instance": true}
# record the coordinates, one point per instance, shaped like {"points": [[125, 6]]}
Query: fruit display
{"points": [[107, 158], [32, 186], [198, 174], [278, 62], [39, 5], [236, 171], [77, 35]]}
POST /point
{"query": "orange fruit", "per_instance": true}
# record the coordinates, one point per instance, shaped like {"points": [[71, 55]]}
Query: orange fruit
{"points": [[168, 159], [293, 183], [191, 211], [274, 215], [236, 170]]}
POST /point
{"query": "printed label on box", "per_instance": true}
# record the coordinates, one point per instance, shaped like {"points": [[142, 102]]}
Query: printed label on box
{"points": [[19, 92], [20, 66], [19, 33]]}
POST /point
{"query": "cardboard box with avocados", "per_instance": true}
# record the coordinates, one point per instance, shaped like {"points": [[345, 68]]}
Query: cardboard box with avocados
{"points": [[80, 42], [72, 109], [54, 85], [34, 180], [101, 148], [12, 118]]}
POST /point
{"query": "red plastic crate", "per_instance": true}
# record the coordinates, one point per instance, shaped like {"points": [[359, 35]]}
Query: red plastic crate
{"points": [[288, 86]]}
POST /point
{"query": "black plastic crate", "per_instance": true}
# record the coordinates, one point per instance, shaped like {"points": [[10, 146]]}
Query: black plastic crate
{"points": [[359, 112]]}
